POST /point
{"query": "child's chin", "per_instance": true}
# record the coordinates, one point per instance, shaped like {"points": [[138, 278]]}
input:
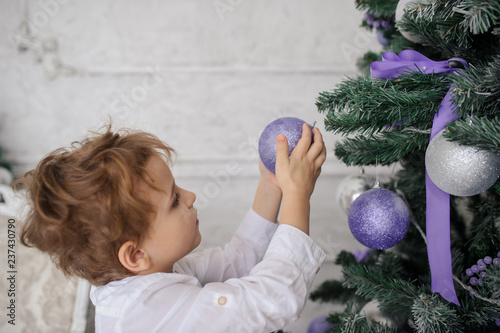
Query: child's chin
{"points": [[198, 242]]}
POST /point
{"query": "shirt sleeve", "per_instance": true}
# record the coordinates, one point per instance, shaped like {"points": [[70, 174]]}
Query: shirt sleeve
{"points": [[271, 296], [245, 249]]}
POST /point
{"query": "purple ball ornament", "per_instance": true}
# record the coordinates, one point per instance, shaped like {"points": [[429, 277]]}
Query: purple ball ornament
{"points": [[381, 38], [289, 126], [319, 325], [379, 219], [473, 281]]}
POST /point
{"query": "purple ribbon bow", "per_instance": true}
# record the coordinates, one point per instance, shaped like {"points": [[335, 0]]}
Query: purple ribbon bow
{"points": [[438, 201]]}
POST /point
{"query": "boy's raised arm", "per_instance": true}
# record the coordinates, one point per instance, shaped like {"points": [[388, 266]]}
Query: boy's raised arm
{"points": [[296, 175]]}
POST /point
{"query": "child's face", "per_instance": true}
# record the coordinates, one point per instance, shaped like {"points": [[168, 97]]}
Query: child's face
{"points": [[173, 230]]}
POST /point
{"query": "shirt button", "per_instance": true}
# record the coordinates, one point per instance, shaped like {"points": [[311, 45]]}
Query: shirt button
{"points": [[222, 300]]}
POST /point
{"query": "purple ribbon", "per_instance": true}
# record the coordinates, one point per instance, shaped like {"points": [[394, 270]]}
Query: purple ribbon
{"points": [[438, 201]]}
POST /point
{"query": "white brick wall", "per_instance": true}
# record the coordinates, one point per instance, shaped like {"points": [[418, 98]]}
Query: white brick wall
{"points": [[205, 76]]}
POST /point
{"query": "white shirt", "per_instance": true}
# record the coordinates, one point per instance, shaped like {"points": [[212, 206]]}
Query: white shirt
{"points": [[259, 282]]}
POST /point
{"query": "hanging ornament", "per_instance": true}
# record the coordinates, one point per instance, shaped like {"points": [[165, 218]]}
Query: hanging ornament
{"points": [[381, 38], [400, 11], [379, 219], [361, 255], [372, 312], [350, 188], [319, 325], [381, 24], [460, 170], [289, 126]]}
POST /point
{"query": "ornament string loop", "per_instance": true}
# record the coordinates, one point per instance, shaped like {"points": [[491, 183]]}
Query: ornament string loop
{"points": [[438, 201]]}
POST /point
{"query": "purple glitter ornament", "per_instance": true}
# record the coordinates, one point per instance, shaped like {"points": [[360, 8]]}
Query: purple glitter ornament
{"points": [[381, 38], [319, 325], [360, 255], [379, 219], [289, 126]]}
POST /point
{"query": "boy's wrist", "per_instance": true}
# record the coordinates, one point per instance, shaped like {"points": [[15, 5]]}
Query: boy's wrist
{"points": [[295, 211], [297, 193], [267, 200], [270, 187]]}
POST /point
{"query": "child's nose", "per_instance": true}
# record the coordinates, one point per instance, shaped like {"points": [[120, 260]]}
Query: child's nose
{"points": [[191, 198]]}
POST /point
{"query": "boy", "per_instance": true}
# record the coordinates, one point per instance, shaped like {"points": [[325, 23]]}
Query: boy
{"points": [[108, 210]]}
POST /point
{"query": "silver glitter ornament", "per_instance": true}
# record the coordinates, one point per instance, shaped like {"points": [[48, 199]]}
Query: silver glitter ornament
{"points": [[400, 11], [351, 187], [460, 170]]}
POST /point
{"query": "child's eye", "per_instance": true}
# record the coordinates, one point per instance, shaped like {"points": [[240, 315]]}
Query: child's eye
{"points": [[176, 201]]}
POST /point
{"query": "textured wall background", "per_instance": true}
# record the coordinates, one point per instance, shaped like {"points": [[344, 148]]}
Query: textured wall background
{"points": [[205, 76]]}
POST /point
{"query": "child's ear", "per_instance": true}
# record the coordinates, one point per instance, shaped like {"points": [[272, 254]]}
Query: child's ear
{"points": [[132, 258]]}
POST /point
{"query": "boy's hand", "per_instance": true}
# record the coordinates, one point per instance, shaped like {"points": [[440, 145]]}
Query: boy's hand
{"points": [[296, 175]]}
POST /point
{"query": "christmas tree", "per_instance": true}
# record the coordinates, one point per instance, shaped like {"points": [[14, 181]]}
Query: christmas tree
{"points": [[430, 103]]}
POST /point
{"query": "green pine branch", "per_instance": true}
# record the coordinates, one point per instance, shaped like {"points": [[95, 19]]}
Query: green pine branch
{"points": [[484, 236], [364, 62], [496, 187], [478, 17], [380, 7], [383, 149], [333, 291], [352, 320], [457, 28], [478, 89], [481, 133], [493, 281], [363, 105], [395, 295], [433, 314]]}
